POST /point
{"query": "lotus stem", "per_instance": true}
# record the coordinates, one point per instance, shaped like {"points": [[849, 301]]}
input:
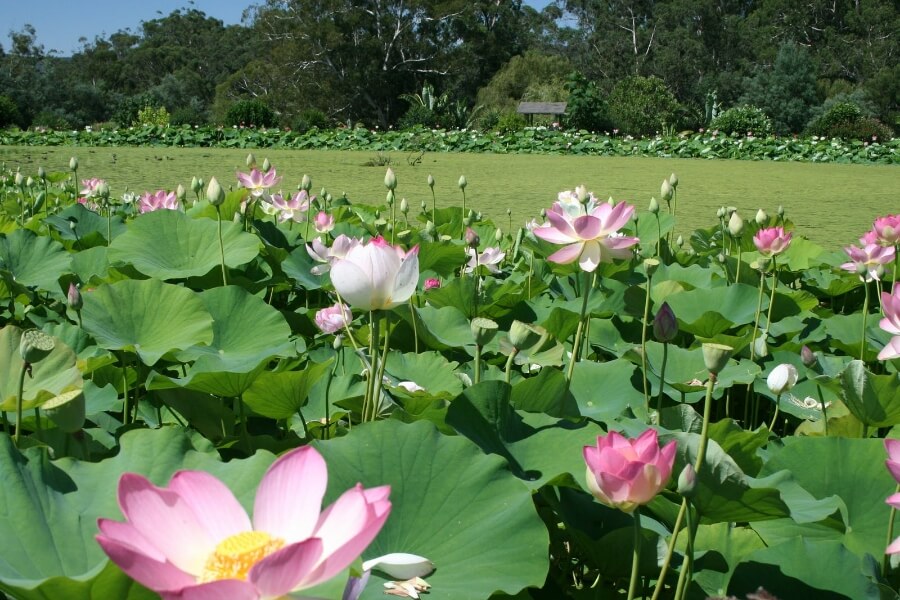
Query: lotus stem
{"points": [[762, 285], [462, 222], [433, 206], [775, 416], [509, 363], [886, 561], [676, 529], [380, 376], [412, 314], [772, 295], [580, 331], [658, 238], [373, 361], [704, 431], [824, 413], [662, 378], [684, 578], [636, 557], [19, 400], [865, 315], [477, 363], [737, 274], [221, 244]]}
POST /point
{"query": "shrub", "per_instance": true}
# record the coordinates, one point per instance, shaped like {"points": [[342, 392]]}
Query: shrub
{"points": [[417, 115], [309, 118], [9, 112], [189, 115], [586, 107], [511, 121], [741, 120], [153, 116], [643, 105], [787, 92], [251, 113], [847, 120], [51, 120]]}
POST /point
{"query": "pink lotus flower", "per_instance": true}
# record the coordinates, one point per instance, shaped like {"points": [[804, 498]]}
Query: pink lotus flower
{"points": [[892, 446], [193, 539], [333, 318], [888, 230], [376, 275], [431, 283], [323, 222], [258, 182], [623, 473], [890, 304], [89, 204], [867, 259], [772, 240], [159, 200], [589, 231], [294, 209], [90, 187], [321, 253], [489, 259]]}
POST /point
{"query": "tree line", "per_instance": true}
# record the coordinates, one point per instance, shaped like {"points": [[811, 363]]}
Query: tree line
{"points": [[639, 66]]}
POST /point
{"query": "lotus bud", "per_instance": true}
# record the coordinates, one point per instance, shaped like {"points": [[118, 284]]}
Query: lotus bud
{"points": [[508, 212], [337, 342], [400, 566], [431, 181], [731, 210], [735, 225], [478, 217], [650, 266], [582, 194], [389, 199], [665, 325], [654, 206], [196, 186], [323, 192], [715, 357], [782, 378], [780, 211], [462, 183], [377, 214], [721, 258], [29, 182], [73, 297], [471, 238], [328, 198], [679, 241], [429, 226], [266, 166], [720, 214], [666, 191], [808, 356], [761, 217], [251, 161], [42, 173], [522, 335], [214, 193], [19, 179], [103, 190], [306, 183], [202, 183], [673, 180], [498, 235], [467, 221], [35, 346], [761, 346], [67, 410], [484, 330], [390, 180], [181, 193], [687, 481], [543, 213], [73, 163], [404, 206]]}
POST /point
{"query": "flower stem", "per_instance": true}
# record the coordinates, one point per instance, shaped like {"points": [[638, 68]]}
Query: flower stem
{"points": [[676, 529], [636, 557], [19, 402], [824, 412], [644, 340], [687, 569], [509, 363], [380, 377], [662, 378], [737, 274], [373, 361], [221, 244], [762, 285], [704, 431], [580, 331], [775, 416], [772, 295], [865, 315], [477, 363]]}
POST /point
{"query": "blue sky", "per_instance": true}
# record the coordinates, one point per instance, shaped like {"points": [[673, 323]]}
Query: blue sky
{"points": [[59, 23]]}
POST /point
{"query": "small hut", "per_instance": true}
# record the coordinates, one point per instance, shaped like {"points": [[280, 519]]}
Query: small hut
{"points": [[556, 109]]}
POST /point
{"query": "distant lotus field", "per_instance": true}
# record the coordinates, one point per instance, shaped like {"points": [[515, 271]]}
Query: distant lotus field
{"points": [[254, 386]]}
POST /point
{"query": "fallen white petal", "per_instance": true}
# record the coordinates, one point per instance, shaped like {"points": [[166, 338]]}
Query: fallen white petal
{"points": [[400, 565]]}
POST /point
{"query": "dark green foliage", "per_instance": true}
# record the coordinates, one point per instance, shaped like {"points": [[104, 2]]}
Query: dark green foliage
{"points": [[787, 91], [511, 121], [310, 118], [643, 105], [418, 115], [251, 113], [741, 120], [586, 107], [9, 112]]}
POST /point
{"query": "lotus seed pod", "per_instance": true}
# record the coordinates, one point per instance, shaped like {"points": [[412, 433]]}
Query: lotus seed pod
{"points": [[67, 411], [73, 163], [761, 217], [73, 297], [673, 180], [715, 357], [735, 225], [250, 160], [462, 183], [484, 330], [180, 193], [214, 193], [196, 186], [35, 345], [650, 266], [431, 181], [390, 180], [306, 183], [666, 191], [665, 325], [42, 173], [404, 206], [522, 335], [266, 166], [654, 206], [687, 481]]}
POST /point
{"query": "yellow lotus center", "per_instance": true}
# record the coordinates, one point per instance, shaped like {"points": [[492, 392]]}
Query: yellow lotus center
{"points": [[235, 555]]}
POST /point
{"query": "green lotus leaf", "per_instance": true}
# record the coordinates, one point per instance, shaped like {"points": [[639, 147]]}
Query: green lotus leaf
{"points": [[226, 384], [281, 395], [443, 258], [50, 377], [616, 394], [462, 510], [168, 244], [89, 226], [430, 370], [34, 261], [148, 317], [546, 393], [441, 328], [297, 266], [873, 399], [709, 311]]}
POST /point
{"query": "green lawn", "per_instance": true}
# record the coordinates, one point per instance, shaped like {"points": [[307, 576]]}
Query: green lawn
{"points": [[830, 204]]}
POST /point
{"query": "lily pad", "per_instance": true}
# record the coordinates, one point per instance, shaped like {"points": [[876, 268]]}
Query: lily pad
{"points": [[34, 261]]}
